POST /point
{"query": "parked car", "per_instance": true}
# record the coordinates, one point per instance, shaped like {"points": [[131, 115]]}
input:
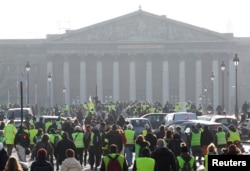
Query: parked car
{"points": [[156, 119], [186, 125], [176, 116], [15, 113], [244, 128], [138, 124], [223, 119]]}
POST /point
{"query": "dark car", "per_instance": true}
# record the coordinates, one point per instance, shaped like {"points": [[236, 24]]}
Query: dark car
{"points": [[156, 119], [186, 125], [245, 129]]}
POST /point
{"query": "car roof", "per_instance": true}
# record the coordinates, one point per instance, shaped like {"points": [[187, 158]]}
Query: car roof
{"points": [[136, 119], [179, 113]]}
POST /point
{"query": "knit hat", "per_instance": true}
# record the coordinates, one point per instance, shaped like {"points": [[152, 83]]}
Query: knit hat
{"points": [[1, 146], [41, 152]]}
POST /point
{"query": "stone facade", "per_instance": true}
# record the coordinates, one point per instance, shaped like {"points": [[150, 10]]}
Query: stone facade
{"points": [[138, 56]]}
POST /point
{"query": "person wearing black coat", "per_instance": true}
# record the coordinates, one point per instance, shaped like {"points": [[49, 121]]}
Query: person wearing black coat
{"points": [[114, 137], [62, 146], [165, 158], [3, 157]]}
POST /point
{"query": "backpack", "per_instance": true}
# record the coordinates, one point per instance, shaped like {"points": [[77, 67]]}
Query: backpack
{"points": [[114, 164], [41, 166], [187, 166], [24, 139]]}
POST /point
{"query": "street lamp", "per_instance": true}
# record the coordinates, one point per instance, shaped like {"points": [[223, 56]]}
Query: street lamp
{"points": [[64, 94], [222, 67], [27, 67], [49, 80], [236, 61], [200, 98]]}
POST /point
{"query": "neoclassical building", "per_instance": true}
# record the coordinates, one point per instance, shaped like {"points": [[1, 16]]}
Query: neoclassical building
{"points": [[137, 56]]}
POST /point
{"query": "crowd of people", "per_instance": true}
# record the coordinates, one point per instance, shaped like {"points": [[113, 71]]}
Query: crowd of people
{"points": [[70, 145]]}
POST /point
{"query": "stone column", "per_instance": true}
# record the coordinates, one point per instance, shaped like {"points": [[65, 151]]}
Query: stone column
{"points": [[83, 79], [99, 77], [116, 85], [198, 81], [216, 83], [165, 82], [182, 81], [149, 80], [132, 81], [50, 94], [231, 82], [66, 74]]}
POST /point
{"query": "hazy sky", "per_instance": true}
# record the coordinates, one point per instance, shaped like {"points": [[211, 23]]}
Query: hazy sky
{"points": [[37, 18]]}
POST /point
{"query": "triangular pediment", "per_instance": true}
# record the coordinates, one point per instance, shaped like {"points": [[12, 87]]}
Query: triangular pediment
{"points": [[141, 26]]}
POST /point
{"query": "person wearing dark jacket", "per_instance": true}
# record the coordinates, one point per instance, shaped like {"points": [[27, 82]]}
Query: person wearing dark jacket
{"points": [[164, 157], [40, 124], [161, 132], [206, 139], [41, 163], [151, 138], [95, 148], [175, 144], [62, 146], [3, 157], [21, 143], [114, 137], [68, 127], [44, 143]]}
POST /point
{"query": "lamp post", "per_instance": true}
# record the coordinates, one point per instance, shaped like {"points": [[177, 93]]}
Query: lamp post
{"points": [[222, 67], [27, 67], [212, 79], [200, 98], [49, 80], [205, 96], [64, 94], [236, 61]]}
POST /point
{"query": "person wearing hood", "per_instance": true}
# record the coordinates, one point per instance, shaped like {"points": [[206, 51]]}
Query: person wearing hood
{"points": [[185, 156], [175, 144], [233, 134], [41, 163], [61, 148], [164, 157], [71, 163], [3, 157]]}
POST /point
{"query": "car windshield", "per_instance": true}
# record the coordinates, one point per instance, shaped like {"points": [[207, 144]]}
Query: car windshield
{"points": [[16, 114], [139, 123], [227, 121]]}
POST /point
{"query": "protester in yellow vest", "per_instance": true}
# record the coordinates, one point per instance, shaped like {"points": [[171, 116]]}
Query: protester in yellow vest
{"points": [[233, 134], [78, 139], [48, 123], [220, 139], [113, 149], [185, 156], [32, 133], [9, 134], [130, 142], [145, 162]]}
